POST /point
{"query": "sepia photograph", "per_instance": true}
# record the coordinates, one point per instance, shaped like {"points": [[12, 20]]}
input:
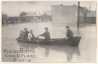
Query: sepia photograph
{"points": [[49, 31]]}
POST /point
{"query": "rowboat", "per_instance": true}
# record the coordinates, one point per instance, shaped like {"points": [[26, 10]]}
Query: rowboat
{"points": [[58, 41]]}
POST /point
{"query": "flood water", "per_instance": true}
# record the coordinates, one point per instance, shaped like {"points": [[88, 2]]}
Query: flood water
{"points": [[38, 53]]}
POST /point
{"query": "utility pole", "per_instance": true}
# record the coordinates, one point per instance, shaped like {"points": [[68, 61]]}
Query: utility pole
{"points": [[78, 16]]}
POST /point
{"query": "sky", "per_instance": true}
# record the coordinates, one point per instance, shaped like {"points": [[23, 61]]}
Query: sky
{"points": [[14, 8]]}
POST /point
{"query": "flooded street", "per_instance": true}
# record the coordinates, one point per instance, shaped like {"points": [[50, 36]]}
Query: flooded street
{"points": [[39, 53]]}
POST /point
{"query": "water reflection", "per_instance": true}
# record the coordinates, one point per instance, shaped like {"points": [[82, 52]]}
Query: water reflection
{"points": [[68, 50], [47, 50], [71, 51]]}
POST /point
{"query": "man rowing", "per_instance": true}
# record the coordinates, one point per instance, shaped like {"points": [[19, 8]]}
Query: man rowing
{"points": [[46, 35]]}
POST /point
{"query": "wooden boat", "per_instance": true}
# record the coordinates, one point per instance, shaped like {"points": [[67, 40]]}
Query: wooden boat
{"points": [[61, 41]]}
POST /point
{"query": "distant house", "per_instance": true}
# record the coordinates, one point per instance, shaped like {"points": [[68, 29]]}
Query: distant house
{"points": [[31, 18], [38, 18], [27, 18], [91, 17], [67, 14], [14, 19], [18, 19]]}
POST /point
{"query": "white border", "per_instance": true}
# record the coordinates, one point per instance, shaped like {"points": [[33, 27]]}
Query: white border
{"points": [[44, 63]]}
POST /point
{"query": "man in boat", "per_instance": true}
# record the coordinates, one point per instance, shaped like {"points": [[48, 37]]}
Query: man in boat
{"points": [[31, 36], [26, 33], [46, 40], [21, 35], [46, 35], [69, 33]]}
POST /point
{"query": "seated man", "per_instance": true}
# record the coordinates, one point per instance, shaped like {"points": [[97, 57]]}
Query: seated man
{"points": [[70, 37], [26, 33], [69, 33], [31, 36], [21, 35], [46, 35]]}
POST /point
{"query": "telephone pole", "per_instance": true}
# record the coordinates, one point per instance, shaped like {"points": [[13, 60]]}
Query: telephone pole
{"points": [[78, 16]]}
